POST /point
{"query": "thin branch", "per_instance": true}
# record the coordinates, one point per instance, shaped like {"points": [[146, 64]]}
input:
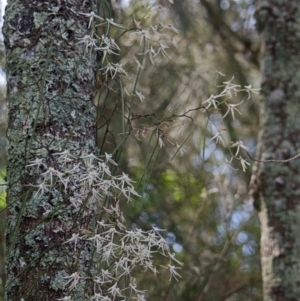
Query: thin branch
{"points": [[275, 161]]}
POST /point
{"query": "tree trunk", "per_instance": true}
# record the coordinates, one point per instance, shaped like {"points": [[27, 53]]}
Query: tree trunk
{"points": [[50, 100], [276, 185]]}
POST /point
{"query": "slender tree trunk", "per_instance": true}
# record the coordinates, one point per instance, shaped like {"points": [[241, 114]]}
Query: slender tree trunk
{"points": [[50, 100], [276, 186]]}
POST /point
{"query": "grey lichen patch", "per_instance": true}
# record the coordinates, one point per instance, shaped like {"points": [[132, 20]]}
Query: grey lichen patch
{"points": [[40, 18], [63, 280], [59, 280], [34, 238], [286, 144], [276, 95]]}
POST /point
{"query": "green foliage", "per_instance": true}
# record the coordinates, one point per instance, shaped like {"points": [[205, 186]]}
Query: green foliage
{"points": [[211, 249]]}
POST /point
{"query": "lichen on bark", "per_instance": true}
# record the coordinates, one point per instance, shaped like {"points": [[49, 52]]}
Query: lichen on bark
{"points": [[50, 102], [278, 184]]}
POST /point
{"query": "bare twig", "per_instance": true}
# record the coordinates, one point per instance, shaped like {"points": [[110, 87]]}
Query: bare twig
{"points": [[275, 161]]}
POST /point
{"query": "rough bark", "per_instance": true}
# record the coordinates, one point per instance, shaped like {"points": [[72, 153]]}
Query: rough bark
{"points": [[276, 186], [50, 100]]}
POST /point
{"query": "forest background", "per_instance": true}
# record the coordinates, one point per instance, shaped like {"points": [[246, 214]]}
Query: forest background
{"points": [[184, 153]]}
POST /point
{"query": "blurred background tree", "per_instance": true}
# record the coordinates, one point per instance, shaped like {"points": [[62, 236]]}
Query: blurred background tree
{"points": [[186, 188], [275, 183]]}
